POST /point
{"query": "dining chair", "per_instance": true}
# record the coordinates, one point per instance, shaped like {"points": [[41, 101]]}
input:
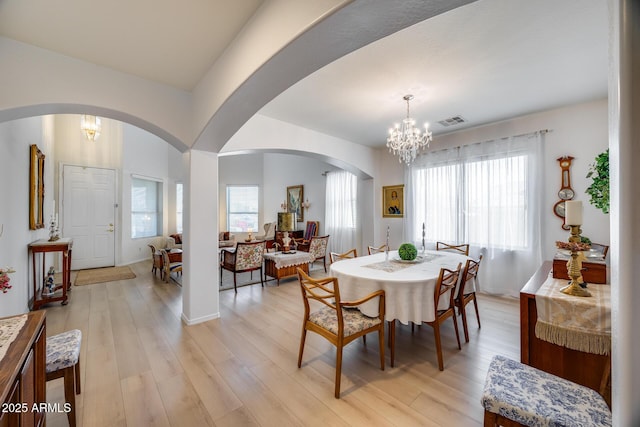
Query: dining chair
{"points": [[601, 248], [337, 321], [466, 294], [63, 361], [462, 248], [374, 250], [247, 256], [317, 249], [445, 288], [169, 266], [312, 229], [156, 261], [351, 253]]}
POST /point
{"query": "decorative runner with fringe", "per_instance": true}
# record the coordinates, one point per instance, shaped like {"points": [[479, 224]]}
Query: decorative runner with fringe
{"points": [[105, 274], [578, 323]]}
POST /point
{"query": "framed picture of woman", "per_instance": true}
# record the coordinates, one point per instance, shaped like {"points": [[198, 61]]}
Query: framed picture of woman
{"points": [[393, 201], [295, 195]]}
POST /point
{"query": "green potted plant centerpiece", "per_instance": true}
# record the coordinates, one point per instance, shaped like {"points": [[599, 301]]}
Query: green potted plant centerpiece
{"points": [[407, 252]]}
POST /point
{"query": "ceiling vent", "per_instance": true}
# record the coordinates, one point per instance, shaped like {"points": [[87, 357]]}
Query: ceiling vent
{"points": [[452, 121]]}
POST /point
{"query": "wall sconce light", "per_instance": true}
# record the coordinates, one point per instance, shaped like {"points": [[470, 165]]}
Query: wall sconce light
{"points": [[305, 205], [284, 206], [90, 126]]}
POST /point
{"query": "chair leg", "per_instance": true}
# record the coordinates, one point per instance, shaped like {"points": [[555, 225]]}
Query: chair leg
{"points": [[436, 333], [364, 340], [475, 303], [261, 278], [77, 376], [234, 282], [338, 369], [455, 326], [324, 262], [462, 308], [69, 394], [302, 340], [381, 344]]}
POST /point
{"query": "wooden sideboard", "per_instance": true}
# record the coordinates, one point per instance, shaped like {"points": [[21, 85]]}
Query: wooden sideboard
{"points": [[582, 368], [40, 249], [22, 375]]}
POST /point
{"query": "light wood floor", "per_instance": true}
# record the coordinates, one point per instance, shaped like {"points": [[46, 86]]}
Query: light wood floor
{"points": [[142, 367]]}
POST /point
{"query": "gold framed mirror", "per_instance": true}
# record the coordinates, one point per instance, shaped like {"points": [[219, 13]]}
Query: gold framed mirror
{"points": [[36, 188]]}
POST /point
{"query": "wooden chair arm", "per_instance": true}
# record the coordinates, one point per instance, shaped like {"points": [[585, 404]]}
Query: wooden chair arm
{"points": [[379, 293]]}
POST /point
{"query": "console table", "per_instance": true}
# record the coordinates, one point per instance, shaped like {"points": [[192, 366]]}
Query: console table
{"points": [[22, 374], [39, 249], [590, 370], [279, 265]]}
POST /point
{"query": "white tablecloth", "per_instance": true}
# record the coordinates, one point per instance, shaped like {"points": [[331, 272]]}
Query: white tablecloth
{"points": [[288, 260], [409, 287]]}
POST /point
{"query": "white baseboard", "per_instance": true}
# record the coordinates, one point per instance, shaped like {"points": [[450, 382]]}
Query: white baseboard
{"points": [[190, 322]]}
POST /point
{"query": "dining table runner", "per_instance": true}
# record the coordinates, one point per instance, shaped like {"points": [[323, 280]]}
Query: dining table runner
{"points": [[283, 260], [578, 323], [393, 264], [9, 330]]}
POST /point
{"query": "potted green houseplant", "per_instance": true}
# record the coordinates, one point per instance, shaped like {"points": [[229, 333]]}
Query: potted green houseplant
{"points": [[599, 188]]}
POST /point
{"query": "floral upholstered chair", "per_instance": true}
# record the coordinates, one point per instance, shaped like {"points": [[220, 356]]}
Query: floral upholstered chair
{"points": [[318, 249], [336, 320], [247, 256]]}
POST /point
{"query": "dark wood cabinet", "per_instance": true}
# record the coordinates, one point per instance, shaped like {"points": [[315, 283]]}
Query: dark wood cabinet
{"points": [[22, 375], [39, 249], [582, 368]]}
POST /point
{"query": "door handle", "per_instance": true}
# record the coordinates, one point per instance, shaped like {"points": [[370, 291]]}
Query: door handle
{"points": [[110, 230]]}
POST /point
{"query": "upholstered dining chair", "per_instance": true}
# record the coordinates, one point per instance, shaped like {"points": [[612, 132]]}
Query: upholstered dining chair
{"points": [[336, 320], [462, 248], [169, 266], [318, 249], [601, 248], [156, 260], [374, 250], [351, 253], [247, 256], [445, 287], [312, 229], [467, 293]]}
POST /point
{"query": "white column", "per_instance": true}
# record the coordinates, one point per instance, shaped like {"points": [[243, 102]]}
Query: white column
{"points": [[200, 281], [624, 155]]}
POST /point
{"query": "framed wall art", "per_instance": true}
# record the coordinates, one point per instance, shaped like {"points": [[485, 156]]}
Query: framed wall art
{"points": [[36, 188], [295, 196], [393, 201]]}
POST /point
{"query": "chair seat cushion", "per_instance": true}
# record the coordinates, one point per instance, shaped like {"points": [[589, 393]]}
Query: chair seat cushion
{"points": [[536, 398], [63, 350], [354, 321]]}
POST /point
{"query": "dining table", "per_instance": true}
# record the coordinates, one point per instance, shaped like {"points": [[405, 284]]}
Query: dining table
{"points": [[409, 285]]}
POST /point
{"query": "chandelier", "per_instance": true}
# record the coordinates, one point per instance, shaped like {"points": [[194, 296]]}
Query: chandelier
{"points": [[406, 140], [90, 127]]}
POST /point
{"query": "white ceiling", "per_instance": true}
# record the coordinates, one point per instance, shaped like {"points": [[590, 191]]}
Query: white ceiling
{"points": [[486, 61]]}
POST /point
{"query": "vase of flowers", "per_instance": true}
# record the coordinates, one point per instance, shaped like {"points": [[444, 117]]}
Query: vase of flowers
{"points": [[5, 279]]}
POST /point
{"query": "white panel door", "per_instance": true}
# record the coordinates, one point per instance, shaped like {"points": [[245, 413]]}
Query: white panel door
{"points": [[89, 215]]}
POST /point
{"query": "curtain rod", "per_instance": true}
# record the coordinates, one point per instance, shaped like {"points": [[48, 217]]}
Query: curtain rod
{"points": [[540, 131]]}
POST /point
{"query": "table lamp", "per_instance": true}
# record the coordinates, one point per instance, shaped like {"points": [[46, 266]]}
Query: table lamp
{"points": [[286, 223]]}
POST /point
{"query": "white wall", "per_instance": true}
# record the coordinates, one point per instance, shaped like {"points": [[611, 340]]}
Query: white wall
{"points": [[15, 139]]}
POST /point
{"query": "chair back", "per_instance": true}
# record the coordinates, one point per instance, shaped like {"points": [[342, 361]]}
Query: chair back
{"points": [[311, 230], [469, 273], [463, 248], [374, 250], [153, 250], [447, 282], [249, 255], [269, 231], [324, 291], [318, 246], [334, 256], [601, 248]]}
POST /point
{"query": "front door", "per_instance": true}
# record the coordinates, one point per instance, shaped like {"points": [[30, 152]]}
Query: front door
{"points": [[89, 215]]}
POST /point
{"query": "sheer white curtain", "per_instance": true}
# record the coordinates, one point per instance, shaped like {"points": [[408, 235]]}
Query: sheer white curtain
{"points": [[488, 195], [341, 214]]}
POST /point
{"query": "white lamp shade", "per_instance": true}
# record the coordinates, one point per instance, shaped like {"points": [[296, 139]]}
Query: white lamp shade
{"points": [[573, 212]]}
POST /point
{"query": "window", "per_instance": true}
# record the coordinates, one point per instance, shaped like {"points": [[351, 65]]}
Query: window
{"points": [[146, 207], [179, 207], [242, 207]]}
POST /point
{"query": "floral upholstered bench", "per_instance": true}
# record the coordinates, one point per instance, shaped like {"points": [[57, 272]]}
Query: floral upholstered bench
{"points": [[518, 394]]}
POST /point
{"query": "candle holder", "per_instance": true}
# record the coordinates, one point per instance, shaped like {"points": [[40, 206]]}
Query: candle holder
{"points": [[54, 233], [574, 265]]}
